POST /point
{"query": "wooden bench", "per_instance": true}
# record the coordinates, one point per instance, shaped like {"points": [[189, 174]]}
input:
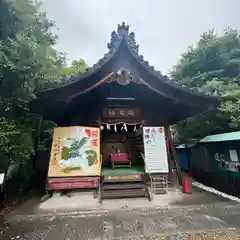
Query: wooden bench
{"points": [[120, 160]]}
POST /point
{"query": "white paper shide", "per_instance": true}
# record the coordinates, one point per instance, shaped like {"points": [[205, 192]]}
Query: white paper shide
{"points": [[2, 175]]}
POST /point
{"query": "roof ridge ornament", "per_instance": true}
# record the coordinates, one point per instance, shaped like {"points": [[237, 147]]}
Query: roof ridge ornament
{"points": [[123, 29], [124, 77], [123, 33]]}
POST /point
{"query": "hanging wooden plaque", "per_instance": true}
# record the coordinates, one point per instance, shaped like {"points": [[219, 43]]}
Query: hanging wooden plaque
{"points": [[121, 113]]}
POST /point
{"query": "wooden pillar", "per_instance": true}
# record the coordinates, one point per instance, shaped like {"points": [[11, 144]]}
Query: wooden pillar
{"points": [[173, 155], [168, 152]]}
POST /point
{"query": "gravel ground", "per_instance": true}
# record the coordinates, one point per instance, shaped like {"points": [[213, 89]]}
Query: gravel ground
{"points": [[200, 215], [220, 220]]}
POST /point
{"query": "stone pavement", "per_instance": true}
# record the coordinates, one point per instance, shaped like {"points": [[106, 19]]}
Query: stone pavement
{"points": [[84, 201], [200, 215], [221, 219]]}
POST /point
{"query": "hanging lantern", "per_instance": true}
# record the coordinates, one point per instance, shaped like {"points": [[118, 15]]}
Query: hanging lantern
{"points": [[108, 127], [101, 127], [115, 128]]}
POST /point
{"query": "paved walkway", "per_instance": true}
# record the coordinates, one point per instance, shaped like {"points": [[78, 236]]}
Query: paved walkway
{"points": [[198, 213], [128, 224], [82, 202]]}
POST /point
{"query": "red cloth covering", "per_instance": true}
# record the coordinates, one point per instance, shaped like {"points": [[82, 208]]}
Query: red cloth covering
{"points": [[119, 157]]}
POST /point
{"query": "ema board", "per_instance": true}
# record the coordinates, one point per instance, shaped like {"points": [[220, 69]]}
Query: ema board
{"points": [[75, 152]]}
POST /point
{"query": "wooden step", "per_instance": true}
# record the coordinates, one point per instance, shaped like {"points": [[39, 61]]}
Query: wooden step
{"points": [[123, 186], [122, 166], [138, 177], [124, 193], [122, 180]]}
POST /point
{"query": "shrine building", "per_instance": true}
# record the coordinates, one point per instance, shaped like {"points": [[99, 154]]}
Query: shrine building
{"points": [[129, 102]]}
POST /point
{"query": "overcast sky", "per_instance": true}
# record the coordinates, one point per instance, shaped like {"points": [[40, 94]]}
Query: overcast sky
{"points": [[163, 28]]}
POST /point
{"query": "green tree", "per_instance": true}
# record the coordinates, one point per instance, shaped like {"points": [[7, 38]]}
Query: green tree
{"points": [[27, 61], [212, 67], [76, 67]]}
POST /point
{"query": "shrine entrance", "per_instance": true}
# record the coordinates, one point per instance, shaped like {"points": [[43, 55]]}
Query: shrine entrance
{"points": [[122, 152], [123, 168]]}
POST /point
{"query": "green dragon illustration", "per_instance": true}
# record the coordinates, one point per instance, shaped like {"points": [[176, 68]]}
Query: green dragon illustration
{"points": [[73, 151], [78, 144], [91, 156]]}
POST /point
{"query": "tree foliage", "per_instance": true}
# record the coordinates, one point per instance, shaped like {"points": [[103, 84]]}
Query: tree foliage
{"points": [[76, 67], [28, 62], [212, 67]]}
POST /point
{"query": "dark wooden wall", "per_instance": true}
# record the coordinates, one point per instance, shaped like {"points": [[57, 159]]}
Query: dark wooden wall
{"points": [[150, 117]]}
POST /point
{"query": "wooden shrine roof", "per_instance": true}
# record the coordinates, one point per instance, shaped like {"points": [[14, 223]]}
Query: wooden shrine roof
{"points": [[124, 65]]}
